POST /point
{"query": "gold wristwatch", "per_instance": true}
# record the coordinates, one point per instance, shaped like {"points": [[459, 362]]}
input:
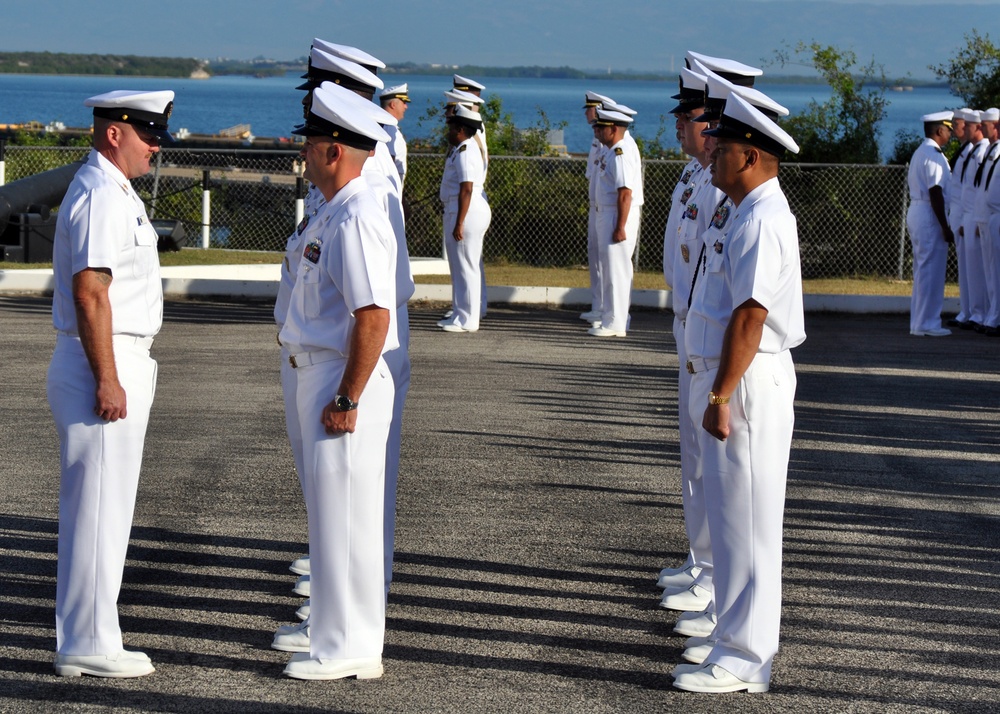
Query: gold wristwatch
{"points": [[714, 399]]}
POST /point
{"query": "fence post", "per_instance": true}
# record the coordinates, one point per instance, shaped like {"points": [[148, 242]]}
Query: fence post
{"points": [[638, 235], [206, 208], [3, 162], [300, 203], [156, 185], [902, 224]]}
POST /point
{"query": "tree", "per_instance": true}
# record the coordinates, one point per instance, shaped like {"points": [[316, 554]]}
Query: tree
{"points": [[845, 128], [974, 72]]}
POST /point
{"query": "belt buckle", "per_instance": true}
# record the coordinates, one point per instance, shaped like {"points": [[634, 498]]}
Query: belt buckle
{"points": [[690, 367], [291, 361]]}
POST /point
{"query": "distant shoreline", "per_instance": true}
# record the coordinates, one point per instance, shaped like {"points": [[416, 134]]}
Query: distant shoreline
{"points": [[41, 63]]}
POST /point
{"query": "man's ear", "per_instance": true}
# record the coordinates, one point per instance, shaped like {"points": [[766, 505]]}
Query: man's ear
{"points": [[334, 153]]}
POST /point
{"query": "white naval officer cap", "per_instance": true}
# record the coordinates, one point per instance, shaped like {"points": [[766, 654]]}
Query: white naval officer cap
{"points": [[324, 67], [606, 117], [745, 123], [991, 114], [466, 84], [692, 91], [400, 92], [353, 54], [593, 99], [939, 118], [332, 114], [719, 90], [736, 72], [149, 111], [467, 117], [613, 106], [458, 96], [377, 113]]}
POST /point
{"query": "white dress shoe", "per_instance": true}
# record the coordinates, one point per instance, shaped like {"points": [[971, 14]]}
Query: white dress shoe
{"points": [[677, 577], [452, 327], [592, 316], [292, 638], [701, 626], [301, 666], [933, 332], [303, 612], [693, 599], [600, 331], [698, 653], [711, 678], [302, 586], [120, 665], [300, 566]]}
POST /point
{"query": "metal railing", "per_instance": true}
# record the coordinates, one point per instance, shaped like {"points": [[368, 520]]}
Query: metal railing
{"points": [[851, 218]]}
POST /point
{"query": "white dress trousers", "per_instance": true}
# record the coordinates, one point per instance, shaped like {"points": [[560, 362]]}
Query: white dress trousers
{"points": [[100, 475], [692, 485], [744, 481], [345, 504], [465, 260], [930, 260], [616, 265], [398, 361]]}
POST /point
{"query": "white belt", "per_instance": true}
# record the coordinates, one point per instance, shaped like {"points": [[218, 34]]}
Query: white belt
{"points": [[305, 359], [144, 342], [701, 364]]}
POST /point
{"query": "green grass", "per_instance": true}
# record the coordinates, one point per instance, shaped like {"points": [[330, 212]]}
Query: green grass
{"points": [[506, 274]]}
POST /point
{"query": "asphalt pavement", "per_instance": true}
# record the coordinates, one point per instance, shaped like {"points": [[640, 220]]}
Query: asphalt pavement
{"points": [[539, 496]]}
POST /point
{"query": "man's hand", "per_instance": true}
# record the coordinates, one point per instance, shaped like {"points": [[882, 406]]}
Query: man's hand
{"points": [[337, 421], [716, 421]]}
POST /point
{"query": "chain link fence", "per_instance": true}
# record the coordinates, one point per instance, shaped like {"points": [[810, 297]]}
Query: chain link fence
{"points": [[851, 218]]}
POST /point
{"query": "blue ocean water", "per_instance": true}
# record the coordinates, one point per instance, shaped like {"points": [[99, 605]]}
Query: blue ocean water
{"points": [[272, 105]]}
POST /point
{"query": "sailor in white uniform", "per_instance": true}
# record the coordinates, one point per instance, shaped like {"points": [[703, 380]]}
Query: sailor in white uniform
{"points": [[592, 101], [107, 307], [745, 316], [981, 216], [974, 284], [466, 219], [350, 83], [704, 220], [395, 100], [929, 182], [619, 206], [339, 323]]}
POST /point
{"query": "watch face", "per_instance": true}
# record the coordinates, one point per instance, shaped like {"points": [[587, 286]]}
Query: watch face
{"points": [[344, 404]]}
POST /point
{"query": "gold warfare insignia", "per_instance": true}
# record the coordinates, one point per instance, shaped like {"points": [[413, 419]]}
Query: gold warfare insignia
{"points": [[618, 151], [685, 253]]}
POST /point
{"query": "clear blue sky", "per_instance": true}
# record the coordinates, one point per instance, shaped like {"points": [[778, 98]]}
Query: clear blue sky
{"points": [[903, 35]]}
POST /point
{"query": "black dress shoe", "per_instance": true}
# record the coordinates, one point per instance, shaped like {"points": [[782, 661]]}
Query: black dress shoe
{"points": [[981, 329], [967, 325], [953, 323], [992, 332]]}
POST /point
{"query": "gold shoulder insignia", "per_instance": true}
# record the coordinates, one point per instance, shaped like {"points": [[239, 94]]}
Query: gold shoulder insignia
{"points": [[462, 148], [618, 151]]}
